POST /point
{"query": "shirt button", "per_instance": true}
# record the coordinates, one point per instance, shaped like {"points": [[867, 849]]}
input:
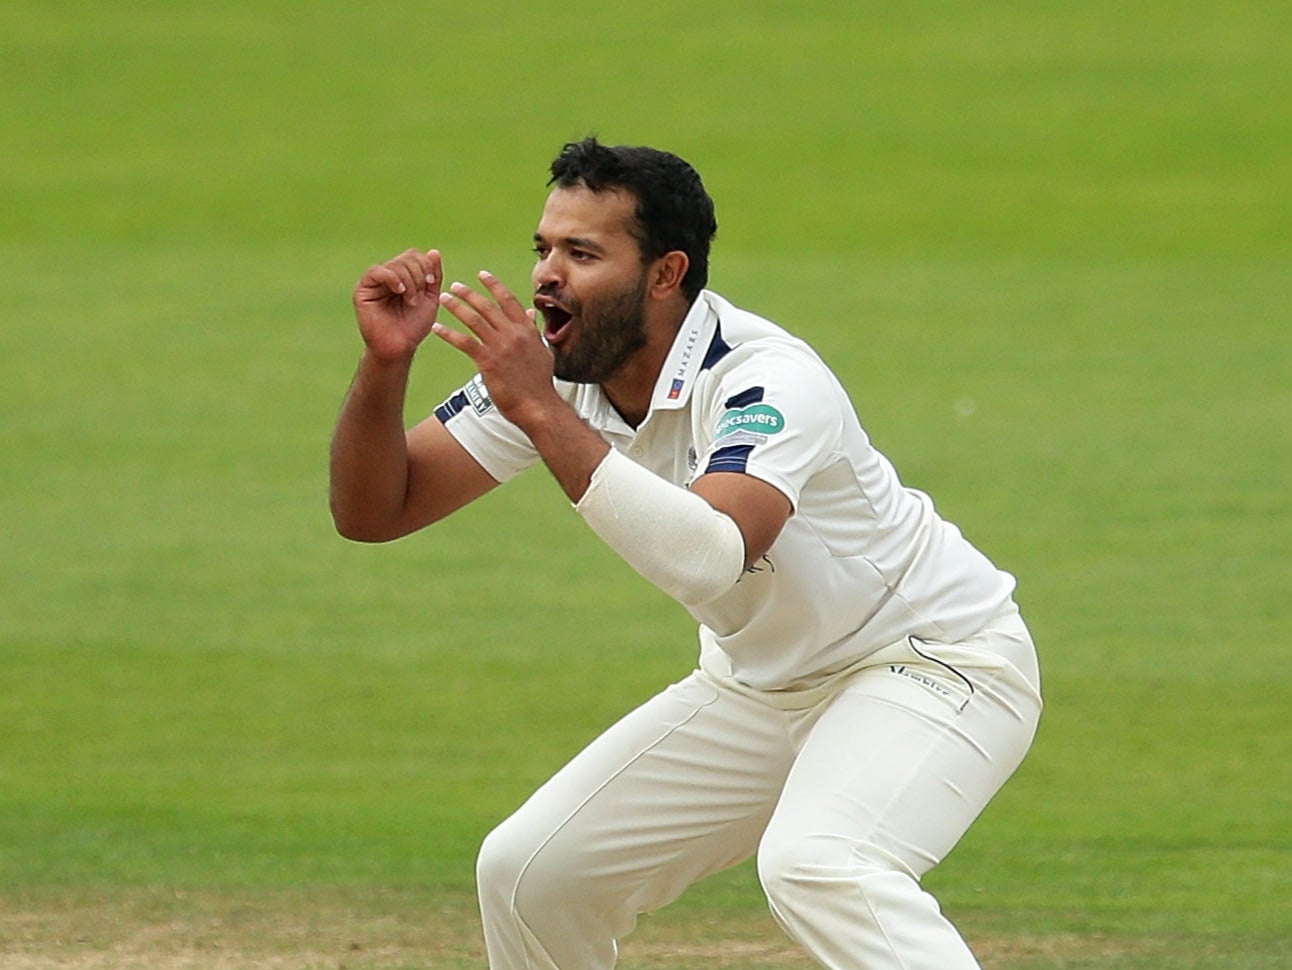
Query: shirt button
{"points": [[635, 451]]}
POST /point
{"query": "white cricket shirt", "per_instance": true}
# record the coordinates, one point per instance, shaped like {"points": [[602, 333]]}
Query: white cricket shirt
{"points": [[862, 562]]}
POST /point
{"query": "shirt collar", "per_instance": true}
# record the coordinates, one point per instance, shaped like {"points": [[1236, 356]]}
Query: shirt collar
{"points": [[685, 357]]}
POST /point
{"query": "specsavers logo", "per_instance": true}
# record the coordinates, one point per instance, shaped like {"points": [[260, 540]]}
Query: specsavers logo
{"points": [[760, 419]]}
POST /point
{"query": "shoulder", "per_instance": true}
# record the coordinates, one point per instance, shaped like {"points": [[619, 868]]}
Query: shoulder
{"points": [[747, 346], [737, 325]]}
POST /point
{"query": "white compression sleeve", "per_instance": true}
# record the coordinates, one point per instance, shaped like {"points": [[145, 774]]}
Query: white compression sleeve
{"points": [[669, 535]]}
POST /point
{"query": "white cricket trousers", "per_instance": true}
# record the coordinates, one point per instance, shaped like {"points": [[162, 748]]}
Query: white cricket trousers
{"points": [[848, 793]]}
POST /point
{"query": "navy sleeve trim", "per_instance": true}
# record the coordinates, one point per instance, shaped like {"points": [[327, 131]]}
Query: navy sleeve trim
{"points": [[733, 458], [745, 398], [451, 407]]}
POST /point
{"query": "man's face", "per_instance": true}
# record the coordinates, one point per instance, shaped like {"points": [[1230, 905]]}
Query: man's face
{"points": [[589, 283]]}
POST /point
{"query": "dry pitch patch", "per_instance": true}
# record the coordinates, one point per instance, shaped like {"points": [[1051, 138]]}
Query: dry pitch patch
{"points": [[329, 930], [205, 931]]}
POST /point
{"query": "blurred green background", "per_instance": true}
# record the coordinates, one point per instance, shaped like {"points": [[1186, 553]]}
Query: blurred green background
{"points": [[1045, 245]]}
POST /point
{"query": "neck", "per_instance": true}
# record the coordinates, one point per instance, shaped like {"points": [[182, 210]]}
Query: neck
{"points": [[632, 386]]}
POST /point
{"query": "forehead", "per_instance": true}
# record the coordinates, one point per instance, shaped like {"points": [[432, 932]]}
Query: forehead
{"points": [[579, 213]]}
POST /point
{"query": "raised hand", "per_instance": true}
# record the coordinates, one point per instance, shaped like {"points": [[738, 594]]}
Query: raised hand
{"points": [[506, 347], [395, 303]]}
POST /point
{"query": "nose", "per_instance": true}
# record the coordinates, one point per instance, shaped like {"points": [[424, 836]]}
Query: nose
{"points": [[545, 275]]}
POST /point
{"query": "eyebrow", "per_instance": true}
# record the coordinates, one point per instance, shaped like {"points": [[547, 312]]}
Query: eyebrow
{"points": [[574, 242]]}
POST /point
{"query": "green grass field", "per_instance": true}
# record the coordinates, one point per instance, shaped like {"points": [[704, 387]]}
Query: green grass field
{"points": [[1046, 245]]}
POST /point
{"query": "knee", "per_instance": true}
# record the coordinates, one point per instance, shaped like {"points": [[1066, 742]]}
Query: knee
{"points": [[519, 873], [499, 864], [803, 867], [791, 868]]}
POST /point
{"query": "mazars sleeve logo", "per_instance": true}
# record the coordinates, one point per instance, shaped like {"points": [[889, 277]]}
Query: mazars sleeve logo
{"points": [[760, 419]]}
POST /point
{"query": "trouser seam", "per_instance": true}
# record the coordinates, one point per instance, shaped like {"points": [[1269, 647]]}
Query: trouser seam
{"points": [[512, 907]]}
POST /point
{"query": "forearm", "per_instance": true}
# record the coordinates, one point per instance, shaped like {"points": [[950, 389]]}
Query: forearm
{"points": [[568, 446], [670, 535], [369, 458]]}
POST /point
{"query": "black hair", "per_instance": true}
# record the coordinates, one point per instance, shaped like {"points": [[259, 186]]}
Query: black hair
{"points": [[673, 209]]}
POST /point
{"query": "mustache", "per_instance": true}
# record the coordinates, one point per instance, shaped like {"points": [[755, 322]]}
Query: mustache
{"points": [[553, 293]]}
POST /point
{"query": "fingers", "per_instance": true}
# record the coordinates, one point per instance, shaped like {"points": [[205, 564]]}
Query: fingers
{"points": [[412, 274], [469, 307], [479, 312], [417, 273], [503, 296], [461, 341], [495, 323]]}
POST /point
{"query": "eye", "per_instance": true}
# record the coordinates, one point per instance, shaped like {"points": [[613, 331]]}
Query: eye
{"points": [[541, 251]]}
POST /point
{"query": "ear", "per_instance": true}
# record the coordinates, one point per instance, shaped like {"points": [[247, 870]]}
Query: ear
{"points": [[667, 273]]}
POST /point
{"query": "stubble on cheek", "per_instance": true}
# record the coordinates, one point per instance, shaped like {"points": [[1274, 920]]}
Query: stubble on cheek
{"points": [[603, 339]]}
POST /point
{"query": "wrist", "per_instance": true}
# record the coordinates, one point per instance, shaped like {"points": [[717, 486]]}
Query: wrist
{"points": [[567, 444], [542, 418], [387, 361]]}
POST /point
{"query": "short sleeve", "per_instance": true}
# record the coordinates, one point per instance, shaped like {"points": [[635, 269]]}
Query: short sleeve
{"points": [[773, 411], [501, 448]]}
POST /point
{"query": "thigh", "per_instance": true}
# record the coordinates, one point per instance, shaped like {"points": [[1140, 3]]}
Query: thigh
{"points": [[909, 753], [680, 788]]}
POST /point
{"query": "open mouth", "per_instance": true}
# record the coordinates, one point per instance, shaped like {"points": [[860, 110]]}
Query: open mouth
{"points": [[556, 318]]}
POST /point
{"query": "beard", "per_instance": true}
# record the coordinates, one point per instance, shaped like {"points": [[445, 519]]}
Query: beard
{"points": [[611, 330]]}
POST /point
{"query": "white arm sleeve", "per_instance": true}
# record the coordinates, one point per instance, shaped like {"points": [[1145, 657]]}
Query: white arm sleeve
{"points": [[671, 536]]}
